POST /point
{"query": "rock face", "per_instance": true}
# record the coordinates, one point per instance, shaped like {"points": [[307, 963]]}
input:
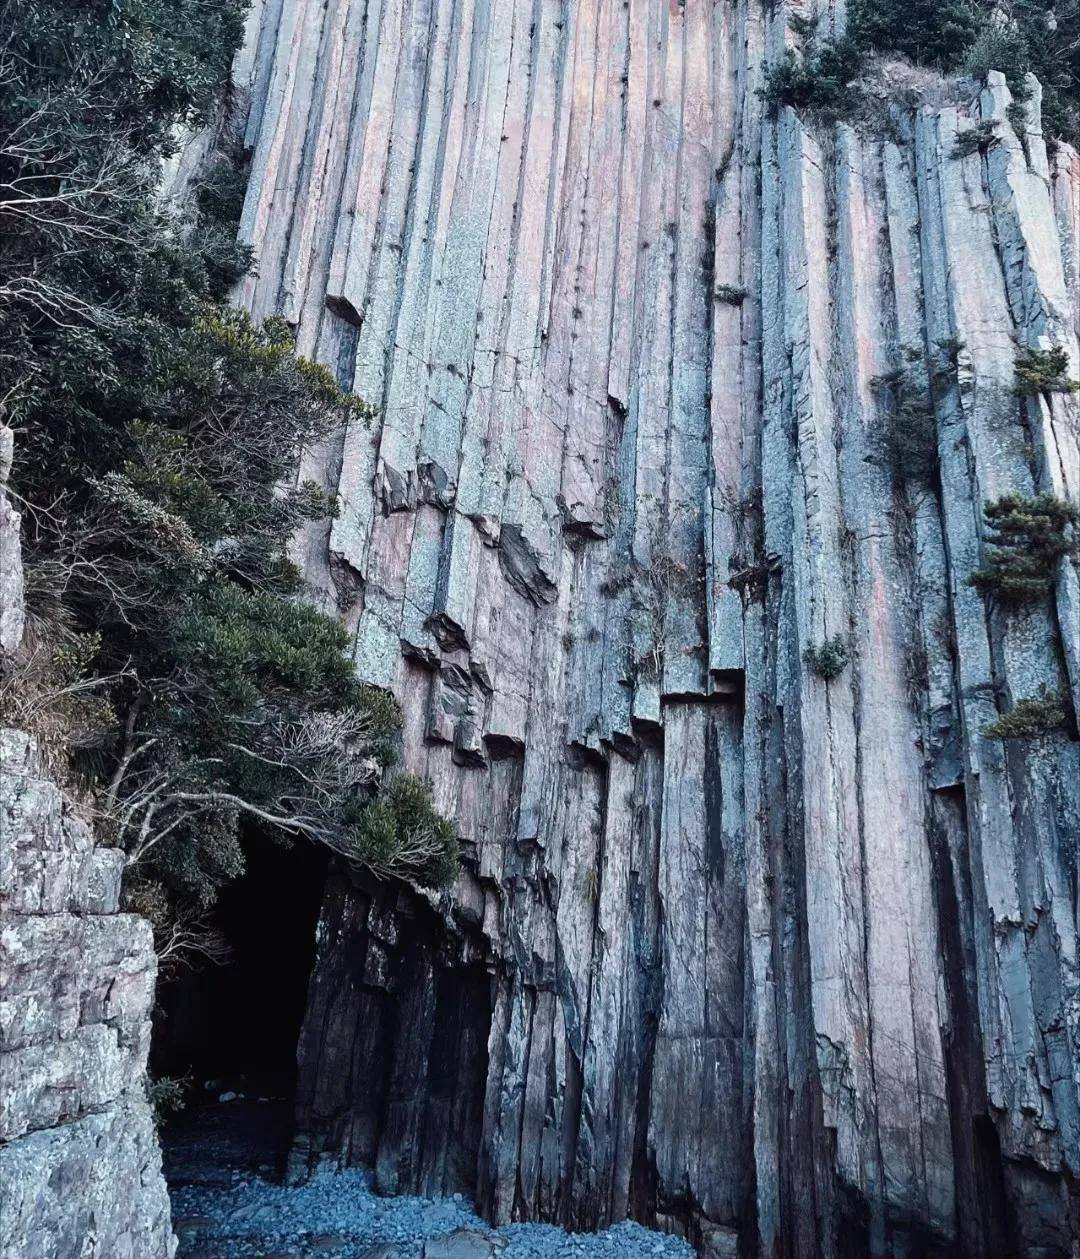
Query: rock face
{"points": [[786, 963], [12, 601], [80, 1169]]}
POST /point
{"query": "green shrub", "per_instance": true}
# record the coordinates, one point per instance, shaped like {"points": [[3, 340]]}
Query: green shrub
{"points": [[402, 831], [167, 1096], [1044, 371], [1028, 536], [911, 435], [977, 139], [820, 80], [159, 436], [934, 33], [1029, 718], [828, 659]]}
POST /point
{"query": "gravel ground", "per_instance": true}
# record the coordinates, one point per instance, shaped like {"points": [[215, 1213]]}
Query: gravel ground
{"points": [[228, 1204]]}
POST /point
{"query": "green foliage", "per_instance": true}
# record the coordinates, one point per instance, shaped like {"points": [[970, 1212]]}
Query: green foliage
{"points": [[950, 36], [911, 434], [934, 33], [1029, 718], [159, 433], [1029, 537], [167, 1096], [1042, 39], [820, 79], [1044, 371], [402, 827], [828, 659], [976, 139]]}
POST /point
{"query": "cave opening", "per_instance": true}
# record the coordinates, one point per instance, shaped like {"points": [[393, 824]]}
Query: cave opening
{"points": [[230, 1030]]}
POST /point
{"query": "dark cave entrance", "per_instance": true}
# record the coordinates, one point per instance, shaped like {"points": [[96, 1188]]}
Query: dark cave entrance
{"points": [[234, 1027]]}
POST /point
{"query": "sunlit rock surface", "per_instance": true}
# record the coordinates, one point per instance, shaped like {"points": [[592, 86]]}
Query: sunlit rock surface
{"points": [[769, 960]]}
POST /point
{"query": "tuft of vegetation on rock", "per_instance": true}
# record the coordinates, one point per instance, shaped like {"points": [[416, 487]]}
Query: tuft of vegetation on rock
{"points": [[1029, 536], [1029, 719], [167, 1096], [976, 139], [1044, 371], [911, 434], [158, 432], [829, 658]]}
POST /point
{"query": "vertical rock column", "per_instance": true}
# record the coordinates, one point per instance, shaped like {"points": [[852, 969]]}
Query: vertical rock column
{"points": [[773, 959]]}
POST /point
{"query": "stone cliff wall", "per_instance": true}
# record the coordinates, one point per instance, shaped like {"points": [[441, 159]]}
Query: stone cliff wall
{"points": [[782, 962], [80, 1167]]}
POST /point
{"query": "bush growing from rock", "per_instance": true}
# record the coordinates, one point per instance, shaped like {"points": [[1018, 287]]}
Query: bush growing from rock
{"points": [[820, 79], [829, 658], [1028, 719], [1028, 536], [911, 435], [1044, 371], [976, 139]]}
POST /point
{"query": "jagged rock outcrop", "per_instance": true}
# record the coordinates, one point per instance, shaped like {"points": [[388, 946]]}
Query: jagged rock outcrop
{"points": [[787, 963], [80, 1168]]}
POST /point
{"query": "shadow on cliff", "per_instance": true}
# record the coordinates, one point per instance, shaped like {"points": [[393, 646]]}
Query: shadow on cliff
{"points": [[233, 1028]]}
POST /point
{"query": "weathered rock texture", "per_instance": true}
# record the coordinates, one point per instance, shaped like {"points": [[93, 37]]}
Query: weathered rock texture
{"points": [[785, 963], [12, 599], [80, 1169]]}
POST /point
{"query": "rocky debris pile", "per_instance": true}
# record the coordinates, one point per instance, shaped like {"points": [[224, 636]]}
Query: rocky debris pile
{"points": [[337, 1214], [227, 1204]]}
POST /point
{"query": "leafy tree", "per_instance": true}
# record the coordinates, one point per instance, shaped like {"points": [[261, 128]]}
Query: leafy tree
{"points": [[159, 433], [1017, 37]]}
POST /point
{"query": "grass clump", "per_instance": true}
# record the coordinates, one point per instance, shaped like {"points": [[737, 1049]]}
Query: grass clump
{"points": [[1029, 536], [828, 659], [1029, 719]]}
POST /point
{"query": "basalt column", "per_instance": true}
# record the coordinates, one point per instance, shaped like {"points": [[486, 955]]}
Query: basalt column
{"points": [[785, 962]]}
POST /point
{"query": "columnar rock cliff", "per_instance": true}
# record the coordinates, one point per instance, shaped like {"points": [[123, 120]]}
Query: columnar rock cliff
{"points": [[787, 963]]}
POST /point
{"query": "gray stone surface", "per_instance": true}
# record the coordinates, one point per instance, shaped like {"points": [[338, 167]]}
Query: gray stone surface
{"points": [[80, 1168], [12, 602], [736, 949]]}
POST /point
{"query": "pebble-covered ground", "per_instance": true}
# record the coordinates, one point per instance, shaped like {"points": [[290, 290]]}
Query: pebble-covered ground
{"points": [[228, 1203]]}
